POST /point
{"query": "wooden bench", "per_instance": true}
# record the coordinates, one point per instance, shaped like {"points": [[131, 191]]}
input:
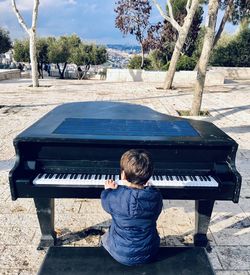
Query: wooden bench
{"points": [[95, 260]]}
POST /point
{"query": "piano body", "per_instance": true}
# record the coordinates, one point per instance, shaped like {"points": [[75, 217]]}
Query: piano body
{"points": [[70, 152]]}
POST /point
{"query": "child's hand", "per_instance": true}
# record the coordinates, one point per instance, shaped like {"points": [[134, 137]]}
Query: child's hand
{"points": [[110, 184]]}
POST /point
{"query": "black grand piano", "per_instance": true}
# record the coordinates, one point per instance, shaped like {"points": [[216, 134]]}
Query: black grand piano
{"points": [[71, 151]]}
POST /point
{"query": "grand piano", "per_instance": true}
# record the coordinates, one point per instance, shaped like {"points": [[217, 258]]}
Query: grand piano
{"points": [[71, 151]]}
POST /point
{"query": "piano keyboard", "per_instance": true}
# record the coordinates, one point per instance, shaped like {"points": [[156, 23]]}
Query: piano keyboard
{"points": [[98, 180]]}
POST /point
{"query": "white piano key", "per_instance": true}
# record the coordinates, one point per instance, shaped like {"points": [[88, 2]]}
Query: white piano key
{"points": [[163, 181]]}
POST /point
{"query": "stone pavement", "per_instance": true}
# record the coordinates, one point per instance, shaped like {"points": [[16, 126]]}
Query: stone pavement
{"points": [[21, 106]]}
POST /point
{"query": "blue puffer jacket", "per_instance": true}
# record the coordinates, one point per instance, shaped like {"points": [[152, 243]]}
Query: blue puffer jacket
{"points": [[132, 238]]}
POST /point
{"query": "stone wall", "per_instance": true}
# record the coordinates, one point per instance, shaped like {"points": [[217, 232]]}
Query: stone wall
{"points": [[181, 79], [10, 74], [235, 73]]}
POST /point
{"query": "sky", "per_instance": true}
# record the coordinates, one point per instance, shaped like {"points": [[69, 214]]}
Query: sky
{"points": [[91, 20]]}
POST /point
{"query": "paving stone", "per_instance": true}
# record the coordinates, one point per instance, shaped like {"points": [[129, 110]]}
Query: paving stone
{"points": [[16, 235], [21, 257], [19, 229], [236, 272], [234, 257]]}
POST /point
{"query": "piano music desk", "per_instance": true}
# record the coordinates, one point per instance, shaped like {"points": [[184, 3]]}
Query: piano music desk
{"points": [[96, 260]]}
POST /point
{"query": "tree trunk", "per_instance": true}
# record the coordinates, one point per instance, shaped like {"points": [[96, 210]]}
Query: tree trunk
{"points": [[64, 67], [183, 32], [33, 59], [226, 15], [59, 70], [174, 59], [142, 56], [204, 58], [32, 38]]}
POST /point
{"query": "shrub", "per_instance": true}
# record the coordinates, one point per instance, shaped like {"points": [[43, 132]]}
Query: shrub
{"points": [[235, 53], [135, 63], [186, 63]]}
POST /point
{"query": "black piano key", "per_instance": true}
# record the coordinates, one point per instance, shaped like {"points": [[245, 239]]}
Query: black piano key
{"points": [[96, 176], [154, 178], [39, 176], [89, 176], [161, 178], [182, 178], [46, 176], [177, 178], [82, 176], [185, 178], [171, 178], [100, 177], [57, 176], [106, 177], [195, 179], [208, 178], [71, 176], [200, 178], [120, 177], [85, 176], [75, 176], [65, 176], [191, 177], [157, 177]]}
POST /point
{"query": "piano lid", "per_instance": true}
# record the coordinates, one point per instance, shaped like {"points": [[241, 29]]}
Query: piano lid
{"points": [[115, 121]]}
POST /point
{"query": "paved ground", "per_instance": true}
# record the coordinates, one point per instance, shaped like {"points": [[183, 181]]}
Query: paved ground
{"points": [[20, 106]]}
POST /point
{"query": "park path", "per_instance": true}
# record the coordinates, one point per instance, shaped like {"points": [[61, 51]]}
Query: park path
{"points": [[21, 106]]}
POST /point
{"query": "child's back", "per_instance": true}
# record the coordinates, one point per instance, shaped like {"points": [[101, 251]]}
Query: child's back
{"points": [[132, 238]]}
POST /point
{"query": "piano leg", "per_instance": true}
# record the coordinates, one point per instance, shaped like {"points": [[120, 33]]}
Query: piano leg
{"points": [[45, 213], [203, 211]]}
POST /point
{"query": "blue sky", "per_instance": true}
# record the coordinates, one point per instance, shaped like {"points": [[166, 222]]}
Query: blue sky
{"points": [[92, 20]]}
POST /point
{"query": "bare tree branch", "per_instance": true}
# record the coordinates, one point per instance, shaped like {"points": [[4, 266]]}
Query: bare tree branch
{"points": [[35, 13], [170, 19], [188, 5], [19, 17], [223, 22]]}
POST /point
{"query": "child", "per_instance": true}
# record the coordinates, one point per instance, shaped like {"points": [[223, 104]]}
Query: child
{"points": [[134, 206]]}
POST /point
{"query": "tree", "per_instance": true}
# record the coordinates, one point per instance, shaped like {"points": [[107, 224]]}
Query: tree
{"points": [[133, 18], [5, 42], [213, 7], [21, 50], [235, 11], [232, 51], [59, 51], [87, 54], [42, 54], [32, 38], [191, 7]]}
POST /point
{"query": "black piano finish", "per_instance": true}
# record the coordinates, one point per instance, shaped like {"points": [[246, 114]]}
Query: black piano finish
{"points": [[53, 145]]}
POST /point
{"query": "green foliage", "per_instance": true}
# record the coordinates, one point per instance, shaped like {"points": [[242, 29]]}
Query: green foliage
{"points": [[171, 35], [21, 50], [185, 63], [70, 49], [58, 50], [5, 42], [157, 59], [135, 63], [235, 53]]}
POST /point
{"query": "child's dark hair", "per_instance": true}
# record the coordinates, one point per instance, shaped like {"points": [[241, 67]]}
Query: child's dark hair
{"points": [[137, 166]]}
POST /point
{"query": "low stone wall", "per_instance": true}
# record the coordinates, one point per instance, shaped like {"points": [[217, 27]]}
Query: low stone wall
{"points": [[10, 74], [181, 79], [235, 73]]}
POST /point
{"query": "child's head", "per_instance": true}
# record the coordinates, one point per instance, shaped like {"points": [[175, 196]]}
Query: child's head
{"points": [[137, 166]]}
